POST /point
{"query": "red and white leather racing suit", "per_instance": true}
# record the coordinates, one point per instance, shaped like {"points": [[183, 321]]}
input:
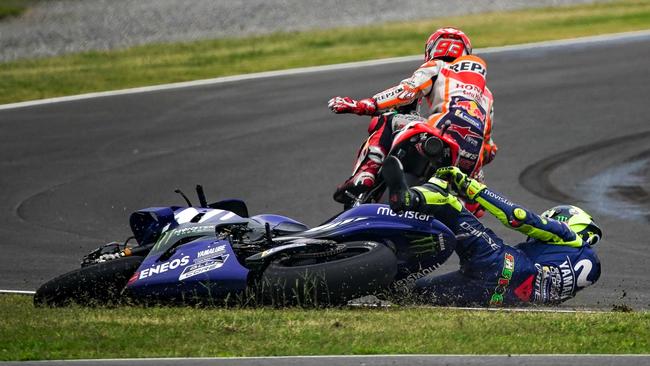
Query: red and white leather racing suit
{"points": [[444, 91]]}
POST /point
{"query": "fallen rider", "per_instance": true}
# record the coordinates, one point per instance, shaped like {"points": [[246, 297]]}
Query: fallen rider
{"points": [[551, 266]]}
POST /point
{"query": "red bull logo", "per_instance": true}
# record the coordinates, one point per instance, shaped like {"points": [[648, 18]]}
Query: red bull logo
{"points": [[471, 107], [464, 131]]}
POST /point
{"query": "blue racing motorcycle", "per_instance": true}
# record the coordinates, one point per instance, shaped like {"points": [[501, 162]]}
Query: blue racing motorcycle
{"points": [[216, 253]]}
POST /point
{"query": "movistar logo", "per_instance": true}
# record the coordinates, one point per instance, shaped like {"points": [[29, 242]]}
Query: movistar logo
{"points": [[406, 214]]}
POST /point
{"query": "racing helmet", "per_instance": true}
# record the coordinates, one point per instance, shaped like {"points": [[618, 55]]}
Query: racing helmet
{"points": [[578, 220], [447, 44]]}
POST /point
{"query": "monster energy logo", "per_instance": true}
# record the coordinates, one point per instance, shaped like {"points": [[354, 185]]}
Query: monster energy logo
{"points": [[428, 244], [561, 218]]}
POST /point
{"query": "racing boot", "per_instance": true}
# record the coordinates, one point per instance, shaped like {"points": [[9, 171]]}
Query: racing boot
{"points": [[400, 197], [360, 182], [369, 160]]}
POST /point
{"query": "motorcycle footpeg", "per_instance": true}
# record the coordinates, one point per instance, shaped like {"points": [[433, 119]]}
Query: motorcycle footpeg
{"points": [[432, 147]]}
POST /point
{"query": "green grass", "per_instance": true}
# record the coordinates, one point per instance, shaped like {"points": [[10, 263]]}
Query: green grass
{"points": [[164, 63], [28, 333], [13, 8]]}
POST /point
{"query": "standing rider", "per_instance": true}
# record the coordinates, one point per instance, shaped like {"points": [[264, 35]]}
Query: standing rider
{"points": [[450, 87], [555, 262]]}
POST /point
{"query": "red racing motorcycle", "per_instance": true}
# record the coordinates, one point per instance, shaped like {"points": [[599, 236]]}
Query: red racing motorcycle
{"points": [[421, 149]]}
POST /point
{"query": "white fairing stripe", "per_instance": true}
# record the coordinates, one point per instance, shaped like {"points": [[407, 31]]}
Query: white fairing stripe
{"points": [[210, 215], [186, 215], [227, 216]]}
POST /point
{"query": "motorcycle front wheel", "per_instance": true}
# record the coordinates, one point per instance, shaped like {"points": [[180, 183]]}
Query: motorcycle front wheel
{"points": [[99, 284]]}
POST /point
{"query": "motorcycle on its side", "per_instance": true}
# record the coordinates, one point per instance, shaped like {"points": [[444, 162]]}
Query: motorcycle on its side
{"points": [[215, 253]]}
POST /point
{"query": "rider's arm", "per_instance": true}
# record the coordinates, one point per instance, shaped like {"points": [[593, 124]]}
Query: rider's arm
{"points": [[409, 90], [529, 223], [511, 215]]}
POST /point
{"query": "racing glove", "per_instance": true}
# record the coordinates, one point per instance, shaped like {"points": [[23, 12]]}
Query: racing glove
{"points": [[465, 186], [366, 106]]}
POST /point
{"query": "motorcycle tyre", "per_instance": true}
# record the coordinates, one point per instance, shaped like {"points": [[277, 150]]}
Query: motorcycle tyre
{"points": [[99, 284], [334, 282]]}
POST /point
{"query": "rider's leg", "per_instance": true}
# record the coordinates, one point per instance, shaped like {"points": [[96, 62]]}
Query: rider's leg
{"points": [[369, 158], [454, 288], [485, 261], [373, 152]]}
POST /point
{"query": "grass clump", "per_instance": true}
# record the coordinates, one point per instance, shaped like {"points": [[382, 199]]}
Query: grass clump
{"points": [[14, 8]]}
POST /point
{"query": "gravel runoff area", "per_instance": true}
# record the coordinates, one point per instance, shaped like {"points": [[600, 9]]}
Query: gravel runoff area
{"points": [[56, 27]]}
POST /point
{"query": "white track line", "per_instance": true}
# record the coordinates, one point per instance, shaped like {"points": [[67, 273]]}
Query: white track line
{"points": [[20, 292], [313, 69]]}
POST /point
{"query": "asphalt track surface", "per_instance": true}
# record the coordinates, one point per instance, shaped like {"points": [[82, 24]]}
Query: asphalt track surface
{"points": [[571, 123]]}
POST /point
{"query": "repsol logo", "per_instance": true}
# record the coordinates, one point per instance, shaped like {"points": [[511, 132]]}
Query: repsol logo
{"points": [[470, 66], [406, 215], [388, 94]]}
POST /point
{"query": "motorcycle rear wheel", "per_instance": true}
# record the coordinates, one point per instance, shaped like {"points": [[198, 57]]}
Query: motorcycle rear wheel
{"points": [[360, 268], [99, 284]]}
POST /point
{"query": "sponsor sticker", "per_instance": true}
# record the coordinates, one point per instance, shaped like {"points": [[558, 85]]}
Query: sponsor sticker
{"points": [[504, 280], [470, 66], [192, 230], [209, 253], [164, 267], [203, 267], [480, 234], [385, 211], [497, 197]]}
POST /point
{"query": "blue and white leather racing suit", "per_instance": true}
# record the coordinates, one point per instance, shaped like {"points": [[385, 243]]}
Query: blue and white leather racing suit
{"points": [[549, 268]]}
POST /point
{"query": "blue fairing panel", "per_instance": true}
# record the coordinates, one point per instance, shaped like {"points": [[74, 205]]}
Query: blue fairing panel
{"points": [[281, 224], [203, 267], [365, 217]]}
